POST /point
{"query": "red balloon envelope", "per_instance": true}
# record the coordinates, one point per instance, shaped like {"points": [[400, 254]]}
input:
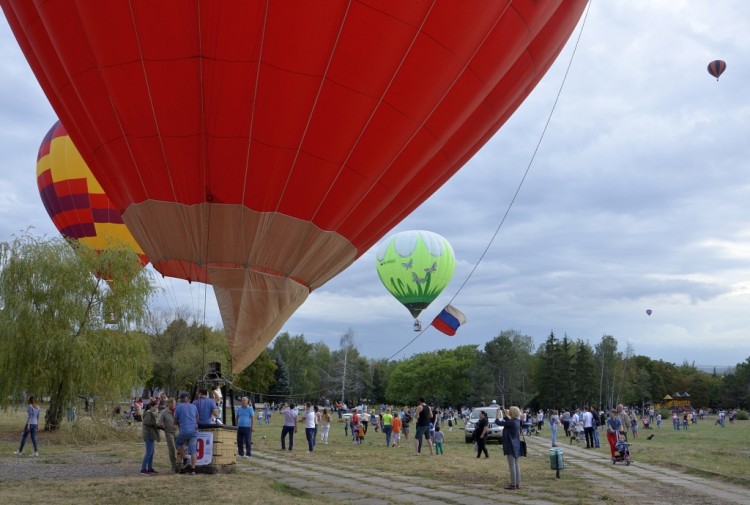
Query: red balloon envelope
{"points": [[264, 146]]}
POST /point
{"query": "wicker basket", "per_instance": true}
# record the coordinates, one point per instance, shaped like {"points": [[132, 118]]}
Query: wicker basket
{"points": [[224, 450]]}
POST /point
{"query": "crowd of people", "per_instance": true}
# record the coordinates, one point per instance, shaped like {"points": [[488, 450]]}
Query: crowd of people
{"points": [[389, 425]]}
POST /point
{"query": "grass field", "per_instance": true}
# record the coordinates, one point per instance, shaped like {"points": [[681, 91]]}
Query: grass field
{"points": [[704, 449], [113, 457]]}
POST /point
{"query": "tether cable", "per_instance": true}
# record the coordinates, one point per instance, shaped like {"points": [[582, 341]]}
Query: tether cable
{"points": [[520, 184]]}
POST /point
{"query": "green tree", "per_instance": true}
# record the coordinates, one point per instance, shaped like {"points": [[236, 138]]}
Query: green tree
{"points": [[295, 352], [507, 358], [442, 377], [57, 327], [565, 362], [381, 370], [607, 357], [548, 372], [735, 387], [259, 376], [182, 350], [280, 390], [344, 378], [586, 375]]}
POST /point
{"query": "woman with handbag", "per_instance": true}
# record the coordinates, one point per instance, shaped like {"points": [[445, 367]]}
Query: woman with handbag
{"points": [[512, 444]]}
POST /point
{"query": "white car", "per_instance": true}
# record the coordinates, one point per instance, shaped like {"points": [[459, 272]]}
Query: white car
{"points": [[495, 432]]}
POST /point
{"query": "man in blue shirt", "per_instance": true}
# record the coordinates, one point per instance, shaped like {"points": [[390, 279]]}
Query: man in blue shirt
{"points": [[205, 406], [186, 417], [245, 428]]}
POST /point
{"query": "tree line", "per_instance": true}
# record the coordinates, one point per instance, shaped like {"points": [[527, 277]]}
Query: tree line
{"points": [[559, 373], [75, 323]]}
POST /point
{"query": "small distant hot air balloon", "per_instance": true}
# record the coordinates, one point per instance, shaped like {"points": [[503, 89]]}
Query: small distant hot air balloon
{"points": [[716, 68], [415, 266], [648, 311]]}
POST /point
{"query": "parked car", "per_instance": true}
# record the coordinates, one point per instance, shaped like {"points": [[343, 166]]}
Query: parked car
{"points": [[495, 433]]}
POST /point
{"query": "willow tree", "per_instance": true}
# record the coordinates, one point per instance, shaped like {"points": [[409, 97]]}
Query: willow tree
{"points": [[65, 330]]}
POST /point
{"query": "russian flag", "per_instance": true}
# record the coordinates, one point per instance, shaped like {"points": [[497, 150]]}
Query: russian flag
{"points": [[449, 319]]}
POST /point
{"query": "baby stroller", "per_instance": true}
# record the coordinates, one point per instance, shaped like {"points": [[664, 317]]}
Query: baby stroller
{"points": [[526, 427], [577, 433], [623, 453]]}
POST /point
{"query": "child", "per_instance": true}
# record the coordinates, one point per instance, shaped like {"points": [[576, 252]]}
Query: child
{"points": [[658, 420], [396, 427], [439, 437], [215, 417], [374, 420], [622, 446], [362, 433], [355, 430]]}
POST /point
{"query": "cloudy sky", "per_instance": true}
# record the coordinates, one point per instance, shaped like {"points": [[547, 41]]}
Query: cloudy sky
{"points": [[637, 199]]}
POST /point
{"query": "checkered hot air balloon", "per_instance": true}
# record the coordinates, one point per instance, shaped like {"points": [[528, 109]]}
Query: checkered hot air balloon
{"points": [[74, 200]]}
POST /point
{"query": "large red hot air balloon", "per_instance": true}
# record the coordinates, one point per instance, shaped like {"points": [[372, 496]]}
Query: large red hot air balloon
{"points": [[264, 146]]}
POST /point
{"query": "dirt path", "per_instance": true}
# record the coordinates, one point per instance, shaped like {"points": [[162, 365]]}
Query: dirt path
{"points": [[645, 484]]}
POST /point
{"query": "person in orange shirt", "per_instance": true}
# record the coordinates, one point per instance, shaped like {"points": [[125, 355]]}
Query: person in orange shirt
{"points": [[396, 430]]}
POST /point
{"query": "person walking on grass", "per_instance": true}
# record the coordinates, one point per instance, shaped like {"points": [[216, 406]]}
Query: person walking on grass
{"points": [[326, 423], [480, 434], [388, 426], [309, 419], [150, 433], [614, 427], [424, 416], [318, 417], [588, 427], [30, 428], [406, 420], [396, 426], [289, 427], [166, 423]]}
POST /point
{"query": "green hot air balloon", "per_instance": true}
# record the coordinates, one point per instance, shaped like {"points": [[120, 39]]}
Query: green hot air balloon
{"points": [[415, 266]]}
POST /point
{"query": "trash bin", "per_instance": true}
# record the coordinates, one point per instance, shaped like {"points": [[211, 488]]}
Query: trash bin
{"points": [[556, 461]]}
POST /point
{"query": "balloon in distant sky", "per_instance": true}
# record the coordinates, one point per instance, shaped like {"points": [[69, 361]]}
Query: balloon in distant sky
{"points": [[415, 266], [262, 147], [74, 200], [716, 68], [648, 311]]}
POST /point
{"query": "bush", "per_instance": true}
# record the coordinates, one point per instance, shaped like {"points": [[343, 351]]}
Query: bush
{"points": [[742, 415]]}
